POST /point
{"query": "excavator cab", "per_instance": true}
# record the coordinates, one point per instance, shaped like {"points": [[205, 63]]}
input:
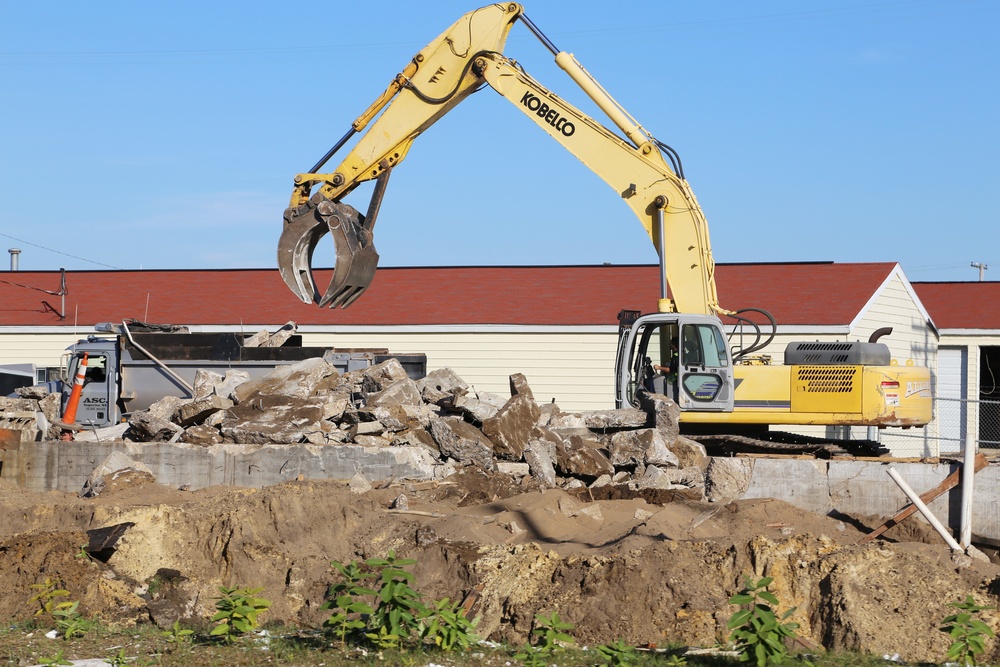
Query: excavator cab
{"points": [[683, 357]]}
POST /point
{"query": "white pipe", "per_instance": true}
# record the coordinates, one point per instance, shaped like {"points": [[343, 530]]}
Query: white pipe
{"points": [[968, 473], [919, 504]]}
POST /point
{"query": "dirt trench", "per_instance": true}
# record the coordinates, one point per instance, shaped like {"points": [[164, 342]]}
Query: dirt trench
{"points": [[647, 569]]}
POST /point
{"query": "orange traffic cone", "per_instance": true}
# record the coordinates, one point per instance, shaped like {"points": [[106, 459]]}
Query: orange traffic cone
{"points": [[69, 416]]}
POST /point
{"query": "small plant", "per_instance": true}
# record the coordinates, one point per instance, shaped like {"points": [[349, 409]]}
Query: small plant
{"points": [[69, 622], [618, 654], [967, 632], [57, 659], [675, 660], [758, 632], [83, 554], [118, 659], [552, 638], [177, 634], [446, 625], [238, 611], [344, 598], [48, 597], [399, 607], [382, 638]]}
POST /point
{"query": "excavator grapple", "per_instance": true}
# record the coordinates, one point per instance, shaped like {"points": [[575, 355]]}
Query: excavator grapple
{"points": [[356, 259], [352, 239]]}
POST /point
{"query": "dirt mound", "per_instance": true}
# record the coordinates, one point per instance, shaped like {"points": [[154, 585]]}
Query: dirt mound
{"points": [[648, 568]]}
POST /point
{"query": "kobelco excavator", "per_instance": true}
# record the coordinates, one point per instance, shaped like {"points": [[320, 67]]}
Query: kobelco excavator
{"points": [[850, 383]]}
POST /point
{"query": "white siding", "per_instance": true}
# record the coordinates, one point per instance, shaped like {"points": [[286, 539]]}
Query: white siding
{"points": [[574, 369], [41, 349], [912, 337]]}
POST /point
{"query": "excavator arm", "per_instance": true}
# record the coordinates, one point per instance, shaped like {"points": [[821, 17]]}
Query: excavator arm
{"points": [[456, 64]]}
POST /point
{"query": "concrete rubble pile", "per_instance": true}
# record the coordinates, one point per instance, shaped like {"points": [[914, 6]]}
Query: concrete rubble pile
{"points": [[309, 402]]}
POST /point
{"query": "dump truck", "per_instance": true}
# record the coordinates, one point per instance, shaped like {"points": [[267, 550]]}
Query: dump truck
{"points": [[139, 364]]}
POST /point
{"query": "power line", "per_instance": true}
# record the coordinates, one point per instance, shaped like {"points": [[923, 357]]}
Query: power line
{"points": [[59, 252]]}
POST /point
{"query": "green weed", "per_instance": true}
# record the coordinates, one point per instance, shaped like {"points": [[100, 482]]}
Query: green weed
{"points": [[238, 610], [757, 630], [967, 632]]}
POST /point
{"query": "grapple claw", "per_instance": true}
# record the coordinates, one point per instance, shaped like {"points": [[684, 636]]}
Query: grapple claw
{"points": [[356, 257]]}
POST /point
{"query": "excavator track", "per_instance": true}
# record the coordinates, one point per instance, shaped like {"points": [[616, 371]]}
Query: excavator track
{"points": [[783, 443]]}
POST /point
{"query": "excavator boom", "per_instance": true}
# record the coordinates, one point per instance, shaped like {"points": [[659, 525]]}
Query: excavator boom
{"points": [[464, 58]]}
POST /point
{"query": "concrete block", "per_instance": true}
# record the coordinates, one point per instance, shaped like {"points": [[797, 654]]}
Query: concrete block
{"points": [[463, 442], [386, 373], [519, 386], [582, 458], [729, 478], [205, 382], [399, 392], [200, 434], [198, 411], [665, 413], [298, 380], [440, 384], [511, 429]]}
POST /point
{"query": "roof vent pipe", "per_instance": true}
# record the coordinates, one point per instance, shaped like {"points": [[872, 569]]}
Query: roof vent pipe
{"points": [[14, 252]]}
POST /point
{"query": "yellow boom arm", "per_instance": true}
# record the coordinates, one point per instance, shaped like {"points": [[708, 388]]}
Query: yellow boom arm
{"points": [[439, 77]]}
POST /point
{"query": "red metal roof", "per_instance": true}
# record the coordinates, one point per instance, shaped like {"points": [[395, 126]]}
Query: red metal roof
{"points": [[806, 293], [961, 305]]}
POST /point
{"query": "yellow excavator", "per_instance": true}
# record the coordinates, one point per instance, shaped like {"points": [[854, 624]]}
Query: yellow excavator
{"points": [[681, 351]]}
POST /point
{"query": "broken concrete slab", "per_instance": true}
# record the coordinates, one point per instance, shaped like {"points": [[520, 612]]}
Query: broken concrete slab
{"points": [[202, 435], [386, 373], [273, 419], [115, 461], [540, 455], [205, 382], [727, 478], [366, 428], [398, 392], [666, 414], [463, 442], [476, 410], [440, 384], [145, 426], [198, 411], [609, 420], [515, 470], [298, 380], [372, 440], [511, 429], [230, 381], [519, 386], [581, 458], [690, 453], [641, 447], [417, 437], [166, 408]]}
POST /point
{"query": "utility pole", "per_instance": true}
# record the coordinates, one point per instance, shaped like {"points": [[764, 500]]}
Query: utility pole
{"points": [[982, 267]]}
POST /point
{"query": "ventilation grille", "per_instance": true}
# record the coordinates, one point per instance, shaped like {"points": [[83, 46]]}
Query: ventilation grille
{"points": [[827, 380], [824, 347]]}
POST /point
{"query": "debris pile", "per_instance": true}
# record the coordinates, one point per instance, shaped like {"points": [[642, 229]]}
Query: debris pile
{"points": [[380, 406]]}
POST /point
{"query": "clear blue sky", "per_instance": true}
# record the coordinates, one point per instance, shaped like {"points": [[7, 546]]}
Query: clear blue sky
{"points": [[166, 135]]}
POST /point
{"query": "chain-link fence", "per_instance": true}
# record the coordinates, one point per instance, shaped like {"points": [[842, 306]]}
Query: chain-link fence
{"points": [[957, 422]]}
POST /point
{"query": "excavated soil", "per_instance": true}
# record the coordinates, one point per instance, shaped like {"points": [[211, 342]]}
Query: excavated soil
{"points": [[649, 567]]}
